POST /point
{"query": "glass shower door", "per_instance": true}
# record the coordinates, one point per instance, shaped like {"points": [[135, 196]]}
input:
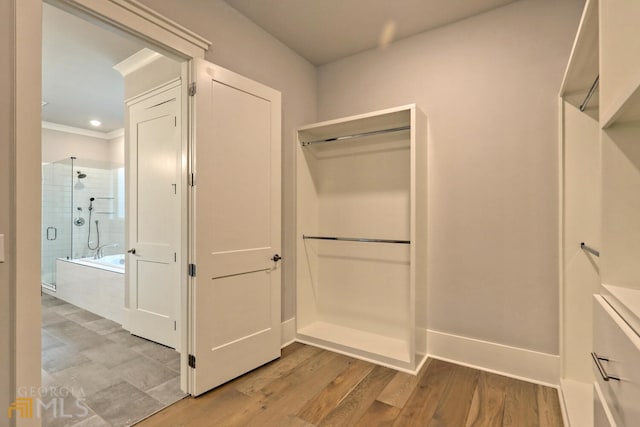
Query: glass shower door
{"points": [[57, 182]]}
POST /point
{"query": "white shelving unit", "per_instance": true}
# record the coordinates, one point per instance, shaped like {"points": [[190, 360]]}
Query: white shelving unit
{"points": [[620, 139], [364, 179], [600, 196], [580, 216], [581, 204]]}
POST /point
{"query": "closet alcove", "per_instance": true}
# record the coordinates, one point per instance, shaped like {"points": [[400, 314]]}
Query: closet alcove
{"points": [[361, 236]]}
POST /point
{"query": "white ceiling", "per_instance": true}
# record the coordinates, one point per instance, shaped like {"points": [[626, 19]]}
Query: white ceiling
{"points": [[78, 80], [80, 84], [323, 31]]}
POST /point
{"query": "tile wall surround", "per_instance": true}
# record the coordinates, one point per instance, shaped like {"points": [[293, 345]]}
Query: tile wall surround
{"points": [[106, 184]]}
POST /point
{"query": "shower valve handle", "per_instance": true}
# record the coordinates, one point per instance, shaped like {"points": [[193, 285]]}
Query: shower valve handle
{"points": [[132, 251]]}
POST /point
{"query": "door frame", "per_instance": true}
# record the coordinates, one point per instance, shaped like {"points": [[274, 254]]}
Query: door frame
{"points": [[132, 18]]}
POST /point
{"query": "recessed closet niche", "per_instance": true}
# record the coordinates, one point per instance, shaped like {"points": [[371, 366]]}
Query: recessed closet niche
{"points": [[361, 244]]}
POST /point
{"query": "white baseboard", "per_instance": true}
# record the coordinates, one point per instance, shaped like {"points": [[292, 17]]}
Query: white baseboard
{"points": [[532, 366], [577, 403], [288, 332]]}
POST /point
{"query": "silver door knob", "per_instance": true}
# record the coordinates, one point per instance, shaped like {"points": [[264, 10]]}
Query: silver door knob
{"points": [[132, 251], [276, 258]]}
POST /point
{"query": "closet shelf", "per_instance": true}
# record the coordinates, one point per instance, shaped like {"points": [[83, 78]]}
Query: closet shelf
{"points": [[583, 66], [626, 301], [357, 135], [625, 109], [350, 339], [356, 239]]}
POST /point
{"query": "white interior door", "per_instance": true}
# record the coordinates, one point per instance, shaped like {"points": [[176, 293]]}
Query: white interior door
{"points": [[235, 294], [154, 208]]}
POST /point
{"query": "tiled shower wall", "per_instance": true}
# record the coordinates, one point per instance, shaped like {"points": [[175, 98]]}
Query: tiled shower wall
{"points": [[108, 210], [58, 188]]}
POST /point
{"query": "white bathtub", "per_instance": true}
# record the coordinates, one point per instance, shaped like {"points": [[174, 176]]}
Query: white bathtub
{"points": [[96, 285], [113, 263]]}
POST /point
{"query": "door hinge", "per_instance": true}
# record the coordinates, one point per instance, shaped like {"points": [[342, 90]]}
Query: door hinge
{"points": [[192, 89], [192, 361], [175, 257], [193, 179], [175, 325], [192, 270]]}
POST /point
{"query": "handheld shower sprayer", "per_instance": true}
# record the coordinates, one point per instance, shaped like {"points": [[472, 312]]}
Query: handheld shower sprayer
{"points": [[97, 228]]}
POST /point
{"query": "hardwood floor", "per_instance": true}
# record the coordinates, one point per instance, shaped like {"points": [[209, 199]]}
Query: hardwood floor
{"points": [[308, 386]]}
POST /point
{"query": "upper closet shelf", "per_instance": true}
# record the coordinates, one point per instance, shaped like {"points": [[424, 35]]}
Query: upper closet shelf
{"points": [[579, 86], [626, 301], [624, 109], [364, 125], [619, 61]]}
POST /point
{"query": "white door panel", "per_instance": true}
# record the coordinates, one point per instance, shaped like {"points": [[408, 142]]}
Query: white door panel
{"points": [[236, 226], [238, 161], [148, 298], [155, 153], [241, 261], [246, 292]]}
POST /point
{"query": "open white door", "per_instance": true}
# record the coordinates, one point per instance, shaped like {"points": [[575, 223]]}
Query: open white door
{"points": [[154, 212], [235, 226]]}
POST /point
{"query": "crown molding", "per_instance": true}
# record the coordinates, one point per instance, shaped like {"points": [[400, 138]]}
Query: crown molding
{"points": [[144, 22], [84, 132]]}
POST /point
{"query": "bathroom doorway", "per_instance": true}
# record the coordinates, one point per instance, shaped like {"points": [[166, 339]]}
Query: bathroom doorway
{"points": [[106, 373]]}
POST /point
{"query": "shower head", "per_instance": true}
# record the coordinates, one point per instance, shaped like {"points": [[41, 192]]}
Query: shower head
{"points": [[92, 199], [81, 175]]}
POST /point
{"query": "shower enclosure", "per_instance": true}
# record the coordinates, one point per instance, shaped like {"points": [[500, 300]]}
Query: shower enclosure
{"points": [[74, 225]]}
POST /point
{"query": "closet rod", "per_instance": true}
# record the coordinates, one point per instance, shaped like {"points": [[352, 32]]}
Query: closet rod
{"points": [[589, 249], [356, 239], [594, 86], [357, 135]]}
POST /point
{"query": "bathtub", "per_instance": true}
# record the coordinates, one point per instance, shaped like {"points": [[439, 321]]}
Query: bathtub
{"points": [[96, 285], [114, 263]]}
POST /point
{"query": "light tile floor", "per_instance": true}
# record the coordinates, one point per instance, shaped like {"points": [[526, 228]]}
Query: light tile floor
{"points": [[91, 362]]}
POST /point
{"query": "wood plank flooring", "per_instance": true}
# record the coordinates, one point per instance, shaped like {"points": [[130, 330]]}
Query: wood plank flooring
{"points": [[308, 387]]}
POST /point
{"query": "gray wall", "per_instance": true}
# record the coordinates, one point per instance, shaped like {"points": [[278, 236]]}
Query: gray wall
{"points": [[243, 47], [489, 87], [6, 182]]}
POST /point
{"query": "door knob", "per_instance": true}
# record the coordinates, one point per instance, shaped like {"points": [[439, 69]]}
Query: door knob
{"points": [[132, 251], [276, 258]]}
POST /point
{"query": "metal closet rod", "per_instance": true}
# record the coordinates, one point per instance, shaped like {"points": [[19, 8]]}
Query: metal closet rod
{"points": [[356, 135], [594, 86], [589, 249], [356, 239]]}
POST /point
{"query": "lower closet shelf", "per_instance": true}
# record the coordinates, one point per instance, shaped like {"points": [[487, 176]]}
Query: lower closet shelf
{"points": [[356, 342]]}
